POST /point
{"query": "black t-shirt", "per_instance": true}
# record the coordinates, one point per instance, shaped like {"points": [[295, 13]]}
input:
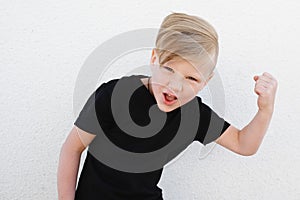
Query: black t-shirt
{"points": [[120, 111]]}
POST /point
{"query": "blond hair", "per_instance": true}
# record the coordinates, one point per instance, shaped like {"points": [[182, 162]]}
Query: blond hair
{"points": [[186, 36]]}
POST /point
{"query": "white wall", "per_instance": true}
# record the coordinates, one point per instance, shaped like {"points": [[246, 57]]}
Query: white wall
{"points": [[43, 45]]}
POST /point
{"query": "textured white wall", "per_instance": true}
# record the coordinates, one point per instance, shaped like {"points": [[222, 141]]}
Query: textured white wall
{"points": [[43, 45]]}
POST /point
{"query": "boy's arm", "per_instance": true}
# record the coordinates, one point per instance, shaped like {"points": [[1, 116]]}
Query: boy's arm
{"points": [[69, 162], [247, 141]]}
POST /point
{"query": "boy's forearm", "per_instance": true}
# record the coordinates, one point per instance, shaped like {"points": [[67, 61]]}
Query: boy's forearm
{"points": [[67, 173], [251, 136]]}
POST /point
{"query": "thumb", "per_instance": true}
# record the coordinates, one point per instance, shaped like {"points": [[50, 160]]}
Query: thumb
{"points": [[255, 78]]}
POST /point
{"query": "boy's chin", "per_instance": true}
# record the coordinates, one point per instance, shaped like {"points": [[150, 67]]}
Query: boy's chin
{"points": [[165, 108]]}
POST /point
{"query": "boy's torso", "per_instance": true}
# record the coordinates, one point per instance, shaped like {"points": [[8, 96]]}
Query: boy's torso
{"points": [[99, 178]]}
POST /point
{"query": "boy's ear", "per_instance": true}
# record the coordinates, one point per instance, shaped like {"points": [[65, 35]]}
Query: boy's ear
{"points": [[208, 78], [153, 57]]}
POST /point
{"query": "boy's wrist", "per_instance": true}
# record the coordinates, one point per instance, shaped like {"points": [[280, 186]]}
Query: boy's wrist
{"points": [[266, 111]]}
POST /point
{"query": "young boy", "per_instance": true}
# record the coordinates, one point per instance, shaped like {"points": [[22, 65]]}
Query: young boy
{"points": [[141, 115]]}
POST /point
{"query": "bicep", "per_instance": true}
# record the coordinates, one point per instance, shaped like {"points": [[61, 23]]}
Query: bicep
{"points": [[230, 139]]}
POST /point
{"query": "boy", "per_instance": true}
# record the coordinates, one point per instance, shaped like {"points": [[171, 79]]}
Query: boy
{"points": [[142, 115]]}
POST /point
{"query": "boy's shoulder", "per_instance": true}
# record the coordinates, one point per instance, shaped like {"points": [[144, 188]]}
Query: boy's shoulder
{"points": [[129, 80]]}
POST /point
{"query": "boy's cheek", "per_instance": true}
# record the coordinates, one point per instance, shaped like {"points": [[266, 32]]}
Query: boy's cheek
{"points": [[188, 95], [159, 79], [190, 90]]}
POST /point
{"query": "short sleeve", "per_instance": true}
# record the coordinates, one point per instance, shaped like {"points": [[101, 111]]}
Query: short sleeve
{"points": [[95, 112], [211, 125]]}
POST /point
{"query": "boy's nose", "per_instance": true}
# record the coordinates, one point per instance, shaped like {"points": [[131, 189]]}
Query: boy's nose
{"points": [[175, 84]]}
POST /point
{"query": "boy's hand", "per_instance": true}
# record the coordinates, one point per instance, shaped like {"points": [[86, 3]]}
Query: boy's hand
{"points": [[265, 88]]}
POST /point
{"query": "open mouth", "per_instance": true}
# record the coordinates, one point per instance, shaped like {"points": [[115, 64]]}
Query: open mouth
{"points": [[169, 99]]}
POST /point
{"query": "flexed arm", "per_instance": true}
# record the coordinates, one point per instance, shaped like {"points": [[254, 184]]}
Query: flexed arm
{"points": [[247, 141]]}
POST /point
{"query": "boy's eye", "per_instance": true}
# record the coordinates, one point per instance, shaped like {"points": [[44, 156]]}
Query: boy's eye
{"points": [[168, 68], [192, 78]]}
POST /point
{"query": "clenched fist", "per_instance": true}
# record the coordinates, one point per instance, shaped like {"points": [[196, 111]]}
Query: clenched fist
{"points": [[265, 88]]}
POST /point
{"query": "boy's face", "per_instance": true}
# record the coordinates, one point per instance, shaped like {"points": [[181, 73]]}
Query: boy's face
{"points": [[176, 82]]}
